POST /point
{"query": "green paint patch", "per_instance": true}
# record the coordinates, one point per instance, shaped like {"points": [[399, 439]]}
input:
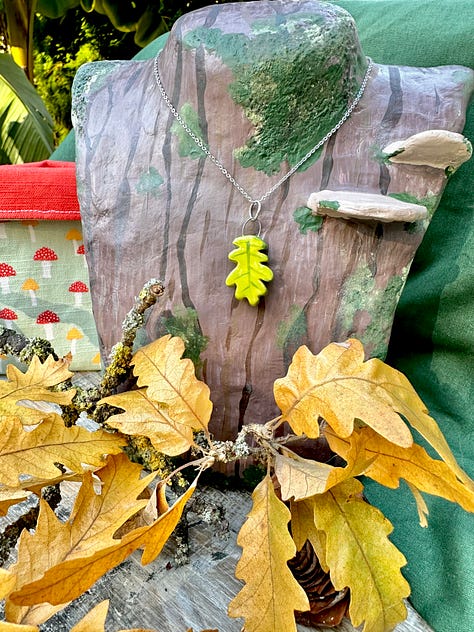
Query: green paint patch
{"points": [[187, 148], [185, 324], [362, 299], [305, 219], [290, 115], [331, 204], [149, 182], [430, 201], [292, 333]]}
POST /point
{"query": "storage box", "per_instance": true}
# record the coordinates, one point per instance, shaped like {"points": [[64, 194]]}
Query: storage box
{"points": [[44, 281]]}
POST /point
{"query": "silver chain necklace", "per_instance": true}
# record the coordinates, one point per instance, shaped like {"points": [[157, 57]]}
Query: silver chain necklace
{"points": [[250, 272]]}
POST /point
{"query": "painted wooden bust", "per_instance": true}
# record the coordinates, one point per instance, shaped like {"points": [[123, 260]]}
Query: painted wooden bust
{"points": [[261, 84]]}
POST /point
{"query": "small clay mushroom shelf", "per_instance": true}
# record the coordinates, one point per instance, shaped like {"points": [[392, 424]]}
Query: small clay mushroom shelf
{"points": [[46, 256], [6, 271], [47, 319]]}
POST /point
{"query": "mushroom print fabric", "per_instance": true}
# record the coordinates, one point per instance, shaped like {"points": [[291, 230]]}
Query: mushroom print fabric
{"points": [[44, 288]]}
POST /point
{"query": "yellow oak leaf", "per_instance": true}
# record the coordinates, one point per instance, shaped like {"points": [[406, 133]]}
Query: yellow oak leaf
{"points": [[250, 274], [7, 582], [360, 556], [389, 463], [69, 579], [300, 478], [34, 385], [271, 594], [303, 528], [170, 380], [10, 496], [91, 526], [94, 619], [15, 627], [34, 453], [340, 390], [146, 417]]}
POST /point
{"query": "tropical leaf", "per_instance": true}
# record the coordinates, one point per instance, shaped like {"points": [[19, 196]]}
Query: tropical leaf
{"points": [[340, 387], [26, 128], [360, 556], [300, 478], [250, 272], [34, 385], [37, 452], [271, 594], [69, 579], [171, 381], [146, 417], [389, 463]]}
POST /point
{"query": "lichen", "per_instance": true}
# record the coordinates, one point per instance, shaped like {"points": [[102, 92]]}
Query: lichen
{"points": [[360, 296], [289, 115]]}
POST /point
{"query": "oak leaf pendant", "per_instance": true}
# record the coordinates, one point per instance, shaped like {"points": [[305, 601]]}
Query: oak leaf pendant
{"points": [[250, 271]]}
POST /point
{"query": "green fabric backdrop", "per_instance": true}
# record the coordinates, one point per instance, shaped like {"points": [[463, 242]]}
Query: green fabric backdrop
{"points": [[433, 335]]}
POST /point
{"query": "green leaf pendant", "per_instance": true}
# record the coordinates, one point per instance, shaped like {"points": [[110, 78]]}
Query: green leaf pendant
{"points": [[250, 273]]}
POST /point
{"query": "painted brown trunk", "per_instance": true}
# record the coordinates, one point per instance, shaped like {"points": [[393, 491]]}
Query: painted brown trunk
{"points": [[150, 210]]}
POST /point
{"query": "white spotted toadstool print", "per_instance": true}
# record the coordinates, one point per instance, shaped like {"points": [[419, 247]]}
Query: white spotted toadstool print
{"points": [[74, 335], [31, 287], [78, 288], [8, 315], [47, 319], [6, 271], [46, 256]]}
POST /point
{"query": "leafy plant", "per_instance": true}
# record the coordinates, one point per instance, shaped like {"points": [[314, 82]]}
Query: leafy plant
{"points": [[26, 128], [365, 410]]}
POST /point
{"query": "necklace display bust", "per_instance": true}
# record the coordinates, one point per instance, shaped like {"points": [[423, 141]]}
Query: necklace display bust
{"points": [[260, 83]]}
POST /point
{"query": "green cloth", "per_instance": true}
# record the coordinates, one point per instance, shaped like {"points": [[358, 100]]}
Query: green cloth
{"points": [[433, 335]]}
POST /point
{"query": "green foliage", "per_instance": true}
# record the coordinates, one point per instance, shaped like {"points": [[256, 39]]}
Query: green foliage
{"points": [[25, 125]]}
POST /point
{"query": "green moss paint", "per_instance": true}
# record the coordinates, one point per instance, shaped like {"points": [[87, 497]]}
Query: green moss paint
{"points": [[430, 202], [331, 204], [292, 333], [149, 183], [186, 146], [185, 324], [284, 82], [305, 219], [361, 300]]}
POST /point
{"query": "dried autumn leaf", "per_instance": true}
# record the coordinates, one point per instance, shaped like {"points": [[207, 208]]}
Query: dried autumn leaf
{"points": [[149, 418], [271, 594], [34, 385], [94, 619], [71, 578], [7, 582], [300, 478], [390, 463], [340, 390], [303, 528], [10, 496], [34, 453], [90, 528], [361, 557], [14, 627], [171, 381]]}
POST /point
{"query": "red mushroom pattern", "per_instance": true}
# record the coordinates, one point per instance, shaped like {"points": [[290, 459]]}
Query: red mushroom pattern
{"points": [[78, 288], [47, 319], [6, 271], [46, 256], [7, 315]]}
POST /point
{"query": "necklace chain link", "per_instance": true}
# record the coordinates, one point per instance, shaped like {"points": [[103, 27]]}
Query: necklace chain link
{"points": [[255, 204]]}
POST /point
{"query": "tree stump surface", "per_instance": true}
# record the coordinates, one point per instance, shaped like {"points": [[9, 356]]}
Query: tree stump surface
{"points": [[245, 77], [169, 598]]}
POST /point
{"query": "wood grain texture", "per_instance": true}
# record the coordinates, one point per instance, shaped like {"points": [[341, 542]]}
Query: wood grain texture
{"points": [[153, 208], [170, 598]]}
